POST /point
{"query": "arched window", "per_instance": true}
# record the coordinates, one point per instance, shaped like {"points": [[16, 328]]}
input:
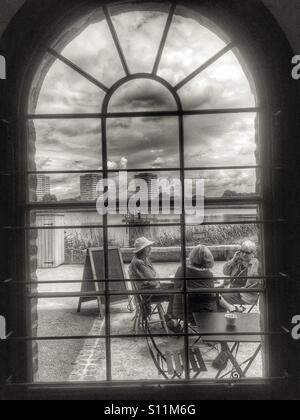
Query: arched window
{"points": [[152, 94], [147, 91]]}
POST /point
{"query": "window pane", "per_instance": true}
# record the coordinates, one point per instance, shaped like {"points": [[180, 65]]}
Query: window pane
{"points": [[71, 188], [78, 218], [140, 34], [62, 145], [228, 236], [144, 197], [64, 91], [142, 95], [222, 85], [60, 253], [124, 313], [227, 183], [130, 221], [247, 353], [189, 45], [58, 317], [131, 360], [94, 51], [231, 213], [71, 361], [217, 214], [224, 241], [143, 143], [166, 251], [221, 140]]}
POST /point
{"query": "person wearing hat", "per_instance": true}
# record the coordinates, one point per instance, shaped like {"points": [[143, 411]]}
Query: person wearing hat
{"points": [[142, 268], [198, 271]]}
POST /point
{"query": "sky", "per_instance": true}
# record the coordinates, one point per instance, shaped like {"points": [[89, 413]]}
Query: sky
{"points": [[213, 140]]}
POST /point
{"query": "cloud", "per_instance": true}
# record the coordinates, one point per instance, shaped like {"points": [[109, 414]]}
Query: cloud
{"points": [[222, 140], [123, 162], [142, 95], [140, 34], [68, 144]]}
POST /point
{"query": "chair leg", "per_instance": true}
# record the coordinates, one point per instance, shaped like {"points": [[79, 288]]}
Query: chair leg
{"points": [[135, 320], [162, 318], [79, 305], [100, 307], [140, 322]]}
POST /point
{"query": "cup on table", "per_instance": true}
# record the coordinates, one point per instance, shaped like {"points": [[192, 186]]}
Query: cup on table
{"points": [[231, 320]]}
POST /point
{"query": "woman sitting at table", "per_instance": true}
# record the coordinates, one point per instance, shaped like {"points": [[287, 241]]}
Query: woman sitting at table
{"points": [[141, 268], [201, 261]]}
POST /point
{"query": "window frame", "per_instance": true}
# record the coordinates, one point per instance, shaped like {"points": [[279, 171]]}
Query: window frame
{"points": [[267, 129]]}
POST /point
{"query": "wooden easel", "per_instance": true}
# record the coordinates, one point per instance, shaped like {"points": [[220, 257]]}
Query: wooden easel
{"points": [[94, 272]]}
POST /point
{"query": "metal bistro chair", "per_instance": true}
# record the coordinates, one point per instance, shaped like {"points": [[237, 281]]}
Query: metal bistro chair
{"points": [[171, 364], [144, 309]]}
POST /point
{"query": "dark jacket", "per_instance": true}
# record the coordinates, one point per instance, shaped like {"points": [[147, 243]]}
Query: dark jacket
{"points": [[198, 279], [235, 269], [143, 269]]}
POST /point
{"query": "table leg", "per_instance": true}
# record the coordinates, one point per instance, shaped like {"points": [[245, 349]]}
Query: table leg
{"points": [[233, 360], [251, 360], [239, 370], [231, 351]]}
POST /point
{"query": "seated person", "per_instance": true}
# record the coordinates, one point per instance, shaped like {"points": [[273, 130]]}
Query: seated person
{"points": [[243, 264], [198, 272], [142, 268]]}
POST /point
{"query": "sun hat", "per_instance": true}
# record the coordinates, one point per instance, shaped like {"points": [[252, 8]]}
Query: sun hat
{"points": [[142, 243]]}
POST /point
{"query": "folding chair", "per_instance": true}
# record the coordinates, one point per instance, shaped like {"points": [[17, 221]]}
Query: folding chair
{"points": [[171, 364], [142, 303], [254, 305]]}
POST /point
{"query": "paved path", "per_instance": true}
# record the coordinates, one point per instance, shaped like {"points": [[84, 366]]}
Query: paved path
{"points": [[90, 364], [86, 360]]}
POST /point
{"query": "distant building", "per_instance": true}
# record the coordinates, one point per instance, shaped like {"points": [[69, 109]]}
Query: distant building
{"points": [[43, 187], [151, 181], [88, 187]]}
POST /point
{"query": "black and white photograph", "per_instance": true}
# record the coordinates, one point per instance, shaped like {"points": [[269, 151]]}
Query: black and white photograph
{"points": [[150, 210]]}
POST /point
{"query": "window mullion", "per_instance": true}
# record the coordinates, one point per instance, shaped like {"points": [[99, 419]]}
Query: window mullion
{"points": [[78, 70], [183, 245], [106, 261], [164, 39], [116, 40], [205, 66]]}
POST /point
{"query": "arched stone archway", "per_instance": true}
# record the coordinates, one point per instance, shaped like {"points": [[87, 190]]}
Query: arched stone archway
{"points": [[245, 18]]}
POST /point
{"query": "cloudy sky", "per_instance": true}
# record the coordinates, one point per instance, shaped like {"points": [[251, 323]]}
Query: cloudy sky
{"points": [[214, 140]]}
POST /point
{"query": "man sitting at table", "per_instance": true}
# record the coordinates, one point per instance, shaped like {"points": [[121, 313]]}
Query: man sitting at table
{"points": [[243, 264], [141, 268]]}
